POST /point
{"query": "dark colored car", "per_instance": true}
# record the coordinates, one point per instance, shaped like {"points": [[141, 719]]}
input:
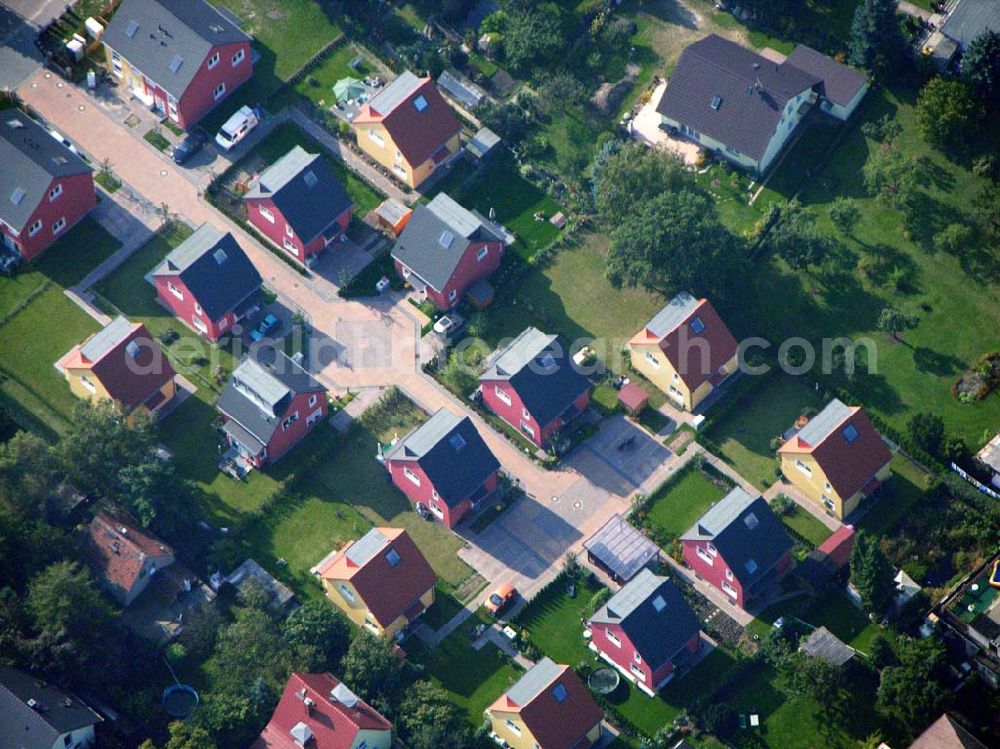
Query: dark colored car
{"points": [[264, 327], [188, 147]]}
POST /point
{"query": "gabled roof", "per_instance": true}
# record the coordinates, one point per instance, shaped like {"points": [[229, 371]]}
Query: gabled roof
{"points": [[415, 114], [654, 615], [31, 159], [127, 361], [33, 714], [546, 384], [825, 645], [389, 584], [451, 453], [118, 549], [169, 40], [946, 733], [333, 719], [838, 82], [305, 189], [847, 447], [214, 268], [553, 704], [692, 336], [261, 389], [437, 236], [731, 94], [745, 532], [970, 18]]}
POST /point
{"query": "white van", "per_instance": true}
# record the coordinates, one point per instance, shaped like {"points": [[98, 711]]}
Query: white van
{"points": [[237, 128]]}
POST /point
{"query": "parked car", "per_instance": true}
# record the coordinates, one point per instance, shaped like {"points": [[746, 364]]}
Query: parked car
{"points": [[449, 324], [265, 326], [237, 128], [499, 599], [188, 147]]}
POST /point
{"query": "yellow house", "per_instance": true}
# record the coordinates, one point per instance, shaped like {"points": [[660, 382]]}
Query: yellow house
{"points": [[121, 363], [408, 128], [548, 708], [836, 459], [381, 581], [685, 350]]}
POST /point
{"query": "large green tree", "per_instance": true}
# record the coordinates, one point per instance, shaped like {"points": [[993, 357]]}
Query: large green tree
{"points": [[64, 598], [630, 176], [157, 496], [251, 647], [532, 38], [319, 635], [947, 112], [877, 40], [429, 719], [188, 736], [911, 690], [981, 65], [845, 214], [890, 175], [796, 239], [373, 670], [30, 471], [871, 573], [927, 431]]}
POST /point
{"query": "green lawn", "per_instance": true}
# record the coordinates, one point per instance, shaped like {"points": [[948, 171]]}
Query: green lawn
{"points": [[897, 498], [554, 622], [765, 411], [317, 85], [156, 139], [806, 525], [834, 611], [442, 610], [728, 186], [676, 508]]}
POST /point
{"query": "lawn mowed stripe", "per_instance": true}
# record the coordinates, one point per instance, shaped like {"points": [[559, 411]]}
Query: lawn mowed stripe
{"points": [[555, 621], [810, 528], [676, 507]]}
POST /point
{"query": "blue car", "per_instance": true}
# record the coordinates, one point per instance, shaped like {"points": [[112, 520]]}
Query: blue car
{"points": [[265, 326]]}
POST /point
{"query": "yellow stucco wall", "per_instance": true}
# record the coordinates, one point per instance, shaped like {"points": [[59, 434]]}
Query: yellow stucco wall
{"points": [[663, 376], [76, 386], [385, 154], [498, 722], [816, 488], [358, 612]]}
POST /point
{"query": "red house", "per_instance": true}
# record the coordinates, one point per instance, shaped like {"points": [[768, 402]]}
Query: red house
{"points": [[45, 188], [445, 248], [299, 204], [179, 57], [269, 404], [444, 465], [208, 282], [526, 386], [646, 630], [319, 711], [739, 546]]}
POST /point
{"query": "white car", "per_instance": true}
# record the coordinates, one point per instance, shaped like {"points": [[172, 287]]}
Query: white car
{"points": [[237, 128]]}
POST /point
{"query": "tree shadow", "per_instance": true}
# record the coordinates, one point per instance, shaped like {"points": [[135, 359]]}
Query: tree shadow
{"points": [[924, 216], [981, 263], [671, 11], [930, 172], [934, 362]]}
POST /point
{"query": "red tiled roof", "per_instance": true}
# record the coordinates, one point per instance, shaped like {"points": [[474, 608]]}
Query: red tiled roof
{"points": [[839, 545], [695, 367], [119, 556], [849, 466], [388, 592], [418, 135], [333, 724]]}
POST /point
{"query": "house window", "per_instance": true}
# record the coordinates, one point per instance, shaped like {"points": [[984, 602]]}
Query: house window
{"points": [[434, 494], [238, 57], [525, 414], [377, 138], [613, 638], [729, 589], [347, 593], [87, 384], [637, 671], [265, 212], [223, 323], [399, 170], [827, 486], [289, 231], [35, 228], [59, 225], [312, 401], [803, 467], [287, 423], [116, 64], [199, 324], [711, 549], [483, 252], [527, 429], [55, 192], [219, 91], [175, 291], [290, 246], [830, 504], [213, 61], [411, 476], [437, 510], [172, 108], [652, 359], [729, 574], [501, 395], [399, 155], [452, 295], [676, 377], [704, 556], [512, 726], [198, 309], [636, 657]]}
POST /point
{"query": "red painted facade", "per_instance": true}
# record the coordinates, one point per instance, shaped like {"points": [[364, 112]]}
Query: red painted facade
{"points": [[716, 571], [518, 417], [189, 311], [425, 494], [279, 230], [469, 270], [75, 201], [625, 655], [283, 439]]}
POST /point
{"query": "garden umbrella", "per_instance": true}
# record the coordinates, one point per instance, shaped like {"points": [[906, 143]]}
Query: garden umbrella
{"points": [[348, 88]]}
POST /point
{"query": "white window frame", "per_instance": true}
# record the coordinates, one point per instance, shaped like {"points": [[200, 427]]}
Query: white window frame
{"points": [[291, 420], [636, 657], [116, 64], [704, 556], [175, 291], [373, 135], [829, 504], [399, 155], [290, 246], [729, 590], [639, 673], [213, 61], [312, 400], [289, 231], [729, 573], [199, 324], [220, 91], [239, 56], [87, 383], [347, 593], [483, 252], [711, 549], [452, 295], [265, 212], [35, 227], [223, 323], [172, 108], [55, 192], [612, 638], [399, 170], [198, 309], [501, 395], [803, 468], [512, 726], [414, 478], [652, 359], [437, 510], [59, 225], [527, 428]]}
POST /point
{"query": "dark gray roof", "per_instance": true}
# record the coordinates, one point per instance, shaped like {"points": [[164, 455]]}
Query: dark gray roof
{"points": [[260, 390], [460, 88], [822, 643], [452, 454], [970, 18], [31, 159], [752, 92], [823, 423], [540, 371], [839, 82], [654, 615], [305, 190], [215, 270], [533, 682], [621, 547], [169, 40], [437, 236], [54, 712], [746, 533]]}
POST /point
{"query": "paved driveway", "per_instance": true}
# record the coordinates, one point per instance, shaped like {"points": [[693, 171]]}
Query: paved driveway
{"points": [[18, 56]]}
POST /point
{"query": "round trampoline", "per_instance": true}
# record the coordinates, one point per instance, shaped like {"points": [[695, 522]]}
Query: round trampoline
{"points": [[180, 700], [604, 680]]}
